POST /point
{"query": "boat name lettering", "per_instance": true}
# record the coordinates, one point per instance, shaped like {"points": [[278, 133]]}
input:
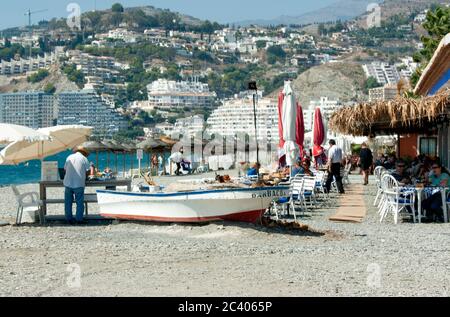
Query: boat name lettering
{"points": [[269, 193]]}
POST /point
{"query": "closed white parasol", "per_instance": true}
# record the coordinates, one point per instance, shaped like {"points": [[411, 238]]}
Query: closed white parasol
{"points": [[289, 115]]}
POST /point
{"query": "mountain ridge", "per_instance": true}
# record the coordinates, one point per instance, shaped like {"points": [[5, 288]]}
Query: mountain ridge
{"points": [[343, 10]]}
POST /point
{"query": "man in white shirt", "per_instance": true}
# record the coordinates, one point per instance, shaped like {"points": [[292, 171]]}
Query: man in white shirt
{"points": [[77, 167], [177, 158], [334, 167]]}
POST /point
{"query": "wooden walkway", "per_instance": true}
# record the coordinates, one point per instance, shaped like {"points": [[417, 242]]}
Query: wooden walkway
{"points": [[352, 206]]}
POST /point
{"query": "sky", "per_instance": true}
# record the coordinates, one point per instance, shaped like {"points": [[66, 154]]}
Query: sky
{"points": [[222, 11]]}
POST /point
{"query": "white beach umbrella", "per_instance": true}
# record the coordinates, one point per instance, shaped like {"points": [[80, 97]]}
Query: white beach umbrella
{"points": [[11, 133], [65, 137], [289, 115], [60, 139]]}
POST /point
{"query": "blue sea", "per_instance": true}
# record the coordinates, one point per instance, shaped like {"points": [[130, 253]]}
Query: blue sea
{"points": [[30, 172]]}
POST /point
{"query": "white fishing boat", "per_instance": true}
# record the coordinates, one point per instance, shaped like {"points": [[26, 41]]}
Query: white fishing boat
{"points": [[232, 204]]}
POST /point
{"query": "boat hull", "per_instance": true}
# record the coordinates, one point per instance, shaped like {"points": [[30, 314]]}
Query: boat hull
{"points": [[244, 205]]}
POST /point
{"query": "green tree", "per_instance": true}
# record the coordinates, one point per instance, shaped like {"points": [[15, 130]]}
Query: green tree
{"points": [[117, 7], [74, 75], [275, 53], [370, 83], [437, 25], [49, 88], [260, 44], [95, 19], [116, 19], [208, 28], [39, 76]]}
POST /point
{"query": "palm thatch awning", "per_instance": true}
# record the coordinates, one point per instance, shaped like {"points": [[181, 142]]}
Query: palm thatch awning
{"points": [[152, 145], [401, 115], [94, 146], [170, 142]]}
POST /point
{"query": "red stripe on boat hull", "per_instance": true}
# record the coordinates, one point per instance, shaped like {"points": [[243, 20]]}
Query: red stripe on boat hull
{"points": [[246, 216]]}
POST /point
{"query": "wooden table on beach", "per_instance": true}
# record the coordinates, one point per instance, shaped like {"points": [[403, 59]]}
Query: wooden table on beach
{"points": [[113, 183]]}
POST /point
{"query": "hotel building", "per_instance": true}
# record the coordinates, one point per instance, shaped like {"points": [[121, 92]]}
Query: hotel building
{"points": [[165, 95], [87, 108], [236, 116], [32, 109]]}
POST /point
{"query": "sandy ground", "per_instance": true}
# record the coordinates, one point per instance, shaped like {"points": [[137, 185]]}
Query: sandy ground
{"points": [[223, 259]]}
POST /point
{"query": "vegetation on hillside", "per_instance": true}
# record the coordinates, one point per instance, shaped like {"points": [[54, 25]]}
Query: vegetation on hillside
{"points": [[38, 76], [370, 83], [74, 75], [437, 25]]}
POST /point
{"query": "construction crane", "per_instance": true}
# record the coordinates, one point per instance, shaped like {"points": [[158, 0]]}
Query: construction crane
{"points": [[29, 13]]}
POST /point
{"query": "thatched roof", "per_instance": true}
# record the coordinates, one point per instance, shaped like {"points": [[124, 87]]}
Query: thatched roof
{"points": [[112, 146], [152, 144], [168, 141], [400, 115], [94, 146]]}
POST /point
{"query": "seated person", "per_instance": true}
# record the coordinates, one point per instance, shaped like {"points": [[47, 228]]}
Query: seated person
{"points": [[107, 172], [433, 205], [253, 170], [390, 163], [439, 177], [296, 169], [380, 160], [400, 173], [306, 168]]}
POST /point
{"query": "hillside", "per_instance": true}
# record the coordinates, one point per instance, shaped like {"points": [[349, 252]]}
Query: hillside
{"points": [[343, 81], [390, 8], [136, 18], [345, 10], [152, 11], [341, 10], [20, 83]]}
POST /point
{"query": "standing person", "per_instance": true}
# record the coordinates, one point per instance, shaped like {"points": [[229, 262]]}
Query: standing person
{"points": [[365, 161], [154, 164], [77, 167], [177, 158], [160, 164], [334, 167]]}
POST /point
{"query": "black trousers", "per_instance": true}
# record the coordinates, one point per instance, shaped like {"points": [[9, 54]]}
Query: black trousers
{"points": [[336, 173], [177, 172], [433, 206]]}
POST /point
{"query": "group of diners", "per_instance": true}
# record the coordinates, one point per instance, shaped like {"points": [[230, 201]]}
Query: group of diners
{"points": [[425, 172]]}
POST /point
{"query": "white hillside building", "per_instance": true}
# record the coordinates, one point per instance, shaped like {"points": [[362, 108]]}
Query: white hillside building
{"points": [[327, 107], [236, 116], [382, 72]]}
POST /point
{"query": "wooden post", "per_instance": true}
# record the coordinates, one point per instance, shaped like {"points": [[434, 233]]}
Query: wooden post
{"points": [[131, 162], [43, 197], [124, 160], [96, 161]]}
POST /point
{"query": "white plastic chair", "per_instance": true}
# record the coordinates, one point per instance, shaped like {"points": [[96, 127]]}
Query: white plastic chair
{"points": [[397, 199], [309, 190], [282, 202], [297, 195], [378, 171], [345, 172], [28, 202]]}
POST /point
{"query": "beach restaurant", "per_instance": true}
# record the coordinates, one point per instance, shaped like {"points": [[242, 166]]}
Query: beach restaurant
{"points": [[421, 122]]}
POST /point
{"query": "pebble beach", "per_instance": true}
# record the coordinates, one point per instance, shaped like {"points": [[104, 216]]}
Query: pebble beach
{"points": [[115, 258]]}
